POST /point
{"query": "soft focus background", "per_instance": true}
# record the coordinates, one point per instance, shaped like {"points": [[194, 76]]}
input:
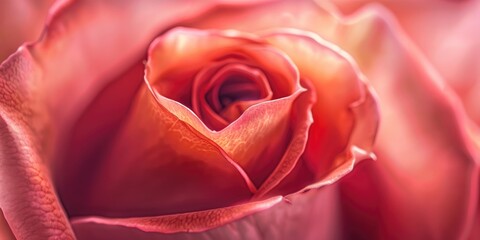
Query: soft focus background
{"points": [[21, 21]]}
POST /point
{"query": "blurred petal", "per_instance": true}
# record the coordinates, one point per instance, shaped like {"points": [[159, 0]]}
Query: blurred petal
{"points": [[426, 160], [447, 33], [186, 222], [21, 21]]}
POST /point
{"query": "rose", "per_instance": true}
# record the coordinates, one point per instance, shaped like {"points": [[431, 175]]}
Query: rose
{"points": [[429, 104], [266, 62]]}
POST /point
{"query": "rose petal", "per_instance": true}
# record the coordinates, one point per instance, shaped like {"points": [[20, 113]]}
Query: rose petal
{"points": [[344, 107], [448, 28], [156, 155], [425, 182], [176, 56], [300, 122], [88, 35], [309, 216], [218, 98], [27, 196], [93, 133]]}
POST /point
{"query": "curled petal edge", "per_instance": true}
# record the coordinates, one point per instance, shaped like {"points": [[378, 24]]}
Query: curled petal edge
{"points": [[185, 222]]}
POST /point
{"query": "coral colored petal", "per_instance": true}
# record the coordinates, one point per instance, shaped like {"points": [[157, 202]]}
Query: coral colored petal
{"points": [[186, 222], [309, 216], [300, 122], [93, 134], [95, 42], [156, 155], [178, 55], [345, 114], [27, 196], [5, 231]]}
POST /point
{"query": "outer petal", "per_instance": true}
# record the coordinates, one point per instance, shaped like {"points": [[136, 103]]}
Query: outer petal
{"points": [[425, 183], [27, 197], [309, 216], [88, 35], [185, 222], [448, 35]]}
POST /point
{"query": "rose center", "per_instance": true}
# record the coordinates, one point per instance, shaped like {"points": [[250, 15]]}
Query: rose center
{"points": [[224, 92]]}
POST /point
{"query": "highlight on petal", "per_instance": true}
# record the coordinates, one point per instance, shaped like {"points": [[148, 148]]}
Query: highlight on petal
{"points": [[432, 167], [27, 195], [158, 161], [186, 222]]}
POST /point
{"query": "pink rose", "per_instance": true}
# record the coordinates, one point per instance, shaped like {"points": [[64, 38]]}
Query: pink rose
{"points": [[233, 120]]}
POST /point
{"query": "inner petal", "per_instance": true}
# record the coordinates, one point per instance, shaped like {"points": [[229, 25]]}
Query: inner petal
{"points": [[182, 77], [222, 92]]}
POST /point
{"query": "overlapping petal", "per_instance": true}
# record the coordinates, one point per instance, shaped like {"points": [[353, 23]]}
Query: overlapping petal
{"points": [[339, 87], [259, 138], [431, 168]]}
